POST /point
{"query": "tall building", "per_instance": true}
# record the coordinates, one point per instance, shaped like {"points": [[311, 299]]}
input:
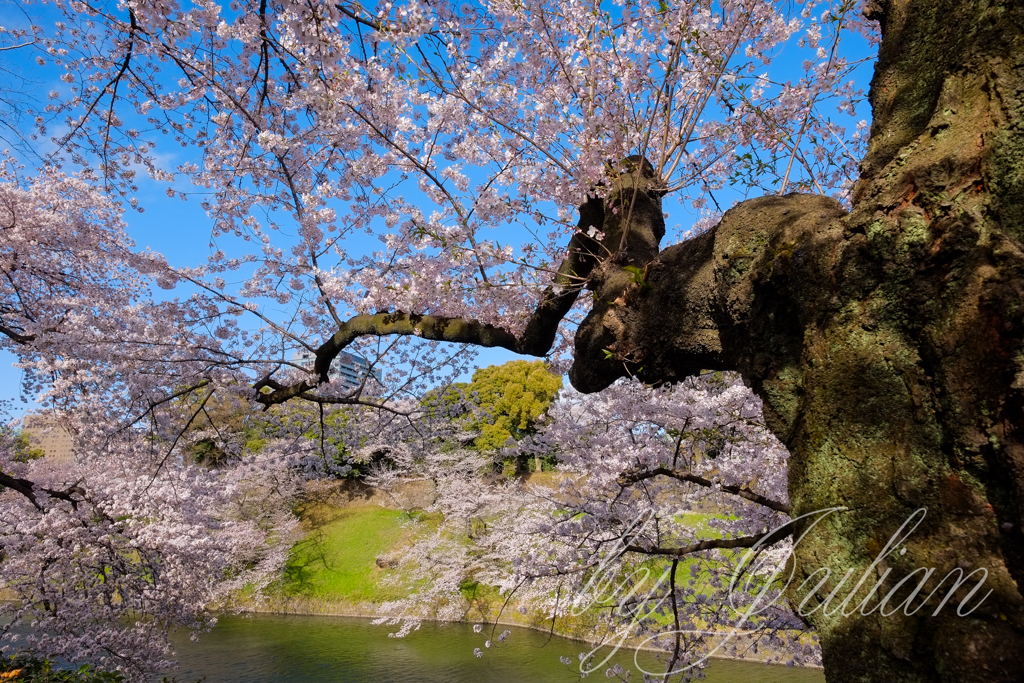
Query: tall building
{"points": [[46, 433], [348, 369]]}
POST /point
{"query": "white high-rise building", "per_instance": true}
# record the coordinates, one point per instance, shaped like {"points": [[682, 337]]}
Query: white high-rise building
{"points": [[348, 369]]}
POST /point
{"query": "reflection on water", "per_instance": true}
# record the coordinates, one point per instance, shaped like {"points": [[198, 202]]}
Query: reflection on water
{"points": [[307, 649]]}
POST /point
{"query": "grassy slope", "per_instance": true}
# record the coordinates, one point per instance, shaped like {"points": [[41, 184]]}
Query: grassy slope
{"points": [[337, 559], [334, 568]]}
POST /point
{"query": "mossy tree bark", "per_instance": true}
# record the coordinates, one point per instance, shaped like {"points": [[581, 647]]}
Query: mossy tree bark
{"points": [[887, 345]]}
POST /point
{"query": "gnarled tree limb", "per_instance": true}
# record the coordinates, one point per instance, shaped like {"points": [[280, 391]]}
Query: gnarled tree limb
{"points": [[586, 254], [29, 489]]}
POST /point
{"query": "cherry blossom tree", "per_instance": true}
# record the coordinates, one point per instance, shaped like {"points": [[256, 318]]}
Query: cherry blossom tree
{"points": [[127, 528], [642, 537], [644, 466], [107, 553], [325, 119], [881, 332]]}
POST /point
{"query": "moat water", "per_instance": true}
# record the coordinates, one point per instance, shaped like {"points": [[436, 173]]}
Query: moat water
{"points": [[309, 649]]}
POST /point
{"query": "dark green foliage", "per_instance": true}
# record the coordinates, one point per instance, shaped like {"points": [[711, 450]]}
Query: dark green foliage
{"points": [[23, 449], [207, 452], [24, 669]]}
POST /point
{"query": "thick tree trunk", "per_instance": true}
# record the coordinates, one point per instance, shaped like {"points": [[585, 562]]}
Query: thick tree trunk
{"points": [[888, 346]]}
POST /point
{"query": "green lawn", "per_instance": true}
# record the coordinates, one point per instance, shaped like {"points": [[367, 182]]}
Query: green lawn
{"points": [[337, 559]]}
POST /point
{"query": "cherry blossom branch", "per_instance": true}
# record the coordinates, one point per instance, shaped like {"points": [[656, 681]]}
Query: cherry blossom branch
{"points": [[537, 338], [15, 336], [15, 47], [810, 108], [112, 82], [231, 301], [177, 438], [767, 538], [630, 478], [28, 489], [375, 25], [280, 393], [153, 405]]}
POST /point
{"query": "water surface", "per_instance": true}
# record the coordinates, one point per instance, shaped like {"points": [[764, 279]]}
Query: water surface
{"points": [[309, 649]]}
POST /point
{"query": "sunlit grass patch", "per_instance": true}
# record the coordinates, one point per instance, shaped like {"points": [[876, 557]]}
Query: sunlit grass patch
{"points": [[337, 558]]}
